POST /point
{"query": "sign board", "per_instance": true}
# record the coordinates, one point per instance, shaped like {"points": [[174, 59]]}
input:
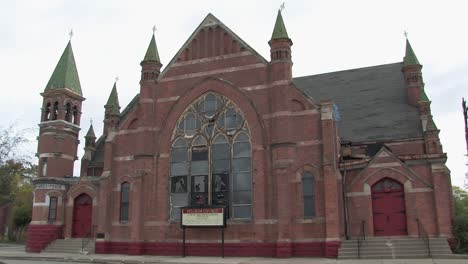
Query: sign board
{"points": [[50, 186], [203, 216]]}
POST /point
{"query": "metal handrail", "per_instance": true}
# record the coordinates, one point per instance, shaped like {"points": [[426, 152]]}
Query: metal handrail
{"points": [[87, 238], [424, 237], [361, 237]]}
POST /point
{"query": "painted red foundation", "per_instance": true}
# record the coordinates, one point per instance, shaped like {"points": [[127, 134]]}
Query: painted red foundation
{"points": [[39, 236], [279, 250]]}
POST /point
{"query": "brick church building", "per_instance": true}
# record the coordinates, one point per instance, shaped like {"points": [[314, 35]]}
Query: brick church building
{"points": [[300, 164]]}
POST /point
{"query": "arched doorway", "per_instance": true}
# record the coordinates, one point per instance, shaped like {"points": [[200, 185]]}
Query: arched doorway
{"points": [[82, 215], [388, 208]]}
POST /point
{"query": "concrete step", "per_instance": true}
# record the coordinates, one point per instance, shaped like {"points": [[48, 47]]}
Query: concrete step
{"points": [[69, 246], [375, 248]]}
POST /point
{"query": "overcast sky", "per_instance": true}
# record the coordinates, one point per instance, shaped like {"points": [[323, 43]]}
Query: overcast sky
{"points": [[111, 37]]}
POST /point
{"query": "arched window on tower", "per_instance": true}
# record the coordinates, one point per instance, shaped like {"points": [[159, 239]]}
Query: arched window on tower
{"points": [[47, 112], [75, 115], [52, 210], [211, 158], [55, 111], [68, 112], [308, 195], [124, 201], [44, 167]]}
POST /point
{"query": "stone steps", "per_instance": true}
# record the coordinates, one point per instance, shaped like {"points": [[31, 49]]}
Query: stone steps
{"points": [[392, 248], [72, 245]]}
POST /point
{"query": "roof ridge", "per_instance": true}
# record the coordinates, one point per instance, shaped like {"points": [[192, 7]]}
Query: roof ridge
{"points": [[353, 69]]}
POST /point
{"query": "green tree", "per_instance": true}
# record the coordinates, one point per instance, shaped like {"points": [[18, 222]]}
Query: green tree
{"points": [[16, 175], [460, 227]]}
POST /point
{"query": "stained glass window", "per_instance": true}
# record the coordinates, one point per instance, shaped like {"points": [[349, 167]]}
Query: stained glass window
{"points": [[52, 209], [308, 195], [211, 158], [124, 201]]}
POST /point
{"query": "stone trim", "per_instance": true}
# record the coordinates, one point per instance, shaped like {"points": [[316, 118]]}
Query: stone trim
{"points": [[168, 99], [213, 72], [265, 86], [124, 158], [203, 60], [289, 113], [309, 143], [57, 155]]}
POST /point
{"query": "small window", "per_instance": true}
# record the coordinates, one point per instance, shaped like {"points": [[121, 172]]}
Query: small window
{"points": [[44, 167], [124, 201], [68, 112], [52, 210], [47, 112], [308, 195], [55, 111], [75, 115]]}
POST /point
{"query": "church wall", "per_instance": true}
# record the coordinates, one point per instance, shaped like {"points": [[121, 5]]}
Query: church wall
{"points": [[243, 87], [418, 194]]}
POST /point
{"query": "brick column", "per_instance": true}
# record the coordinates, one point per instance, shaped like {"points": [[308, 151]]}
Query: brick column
{"points": [[330, 179], [442, 199], [136, 246]]}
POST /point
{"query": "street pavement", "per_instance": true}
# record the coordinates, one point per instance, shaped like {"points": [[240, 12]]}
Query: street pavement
{"points": [[15, 254]]}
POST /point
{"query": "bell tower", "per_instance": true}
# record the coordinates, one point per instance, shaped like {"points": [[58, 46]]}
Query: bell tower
{"points": [[60, 119], [57, 149]]}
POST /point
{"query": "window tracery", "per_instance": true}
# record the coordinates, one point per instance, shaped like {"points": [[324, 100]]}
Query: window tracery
{"points": [[211, 158]]}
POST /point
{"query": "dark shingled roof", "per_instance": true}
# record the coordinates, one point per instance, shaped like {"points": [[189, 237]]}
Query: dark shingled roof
{"points": [[372, 102]]}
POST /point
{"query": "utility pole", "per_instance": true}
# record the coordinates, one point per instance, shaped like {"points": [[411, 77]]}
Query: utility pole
{"points": [[465, 117]]}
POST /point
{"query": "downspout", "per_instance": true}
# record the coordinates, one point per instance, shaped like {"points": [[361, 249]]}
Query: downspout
{"points": [[345, 205]]}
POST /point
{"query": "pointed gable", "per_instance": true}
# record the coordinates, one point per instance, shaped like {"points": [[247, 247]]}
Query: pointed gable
{"points": [[211, 39]]}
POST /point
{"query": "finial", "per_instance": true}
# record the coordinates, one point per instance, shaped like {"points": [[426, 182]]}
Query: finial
{"points": [[154, 29], [282, 6], [116, 79], [406, 34], [91, 121], [71, 33]]}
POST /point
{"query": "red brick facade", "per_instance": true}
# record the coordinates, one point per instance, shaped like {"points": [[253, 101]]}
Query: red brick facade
{"points": [[290, 134]]}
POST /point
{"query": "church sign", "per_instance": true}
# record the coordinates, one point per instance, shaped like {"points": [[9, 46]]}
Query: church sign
{"points": [[50, 186], [203, 217]]}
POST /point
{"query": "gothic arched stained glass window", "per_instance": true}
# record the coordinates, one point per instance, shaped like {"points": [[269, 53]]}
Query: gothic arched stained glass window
{"points": [[211, 158]]}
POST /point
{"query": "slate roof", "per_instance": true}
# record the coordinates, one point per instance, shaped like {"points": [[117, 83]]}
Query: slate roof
{"points": [[372, 102]]}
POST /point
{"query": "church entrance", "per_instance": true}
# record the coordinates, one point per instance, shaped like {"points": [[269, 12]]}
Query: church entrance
{"points": [[82, 215], [388, 208]]}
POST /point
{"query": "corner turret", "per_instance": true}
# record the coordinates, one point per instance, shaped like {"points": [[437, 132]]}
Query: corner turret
{"points": [[112, 110], [280, 51], [413, 76]]}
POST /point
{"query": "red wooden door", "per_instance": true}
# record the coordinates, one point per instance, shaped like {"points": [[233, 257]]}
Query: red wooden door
{"points": [[82, 215], [388, 207]]}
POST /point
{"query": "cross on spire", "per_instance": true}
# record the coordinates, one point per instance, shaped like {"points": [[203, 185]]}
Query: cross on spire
{"points": [[91, 121], [154, 29], [282, 6], [406, 34], [116, 79], [71, 33]]}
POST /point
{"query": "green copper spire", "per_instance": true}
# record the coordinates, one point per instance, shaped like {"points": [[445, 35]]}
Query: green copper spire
{"points": [[410, 57], [113, 101], [90, 133], [423, 97], [431, 126], [65, 74], [280, 30], [152, 52]]}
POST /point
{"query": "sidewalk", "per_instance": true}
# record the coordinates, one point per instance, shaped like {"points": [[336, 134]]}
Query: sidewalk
{"points": [[17, 252]]}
